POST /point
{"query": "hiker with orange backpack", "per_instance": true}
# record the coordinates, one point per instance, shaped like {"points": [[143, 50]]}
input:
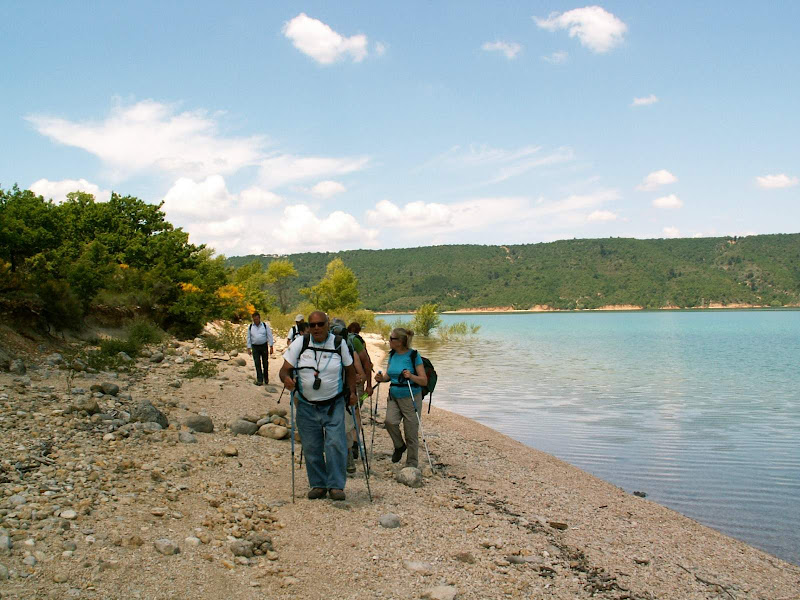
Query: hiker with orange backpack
{"points": [[406, 374]]}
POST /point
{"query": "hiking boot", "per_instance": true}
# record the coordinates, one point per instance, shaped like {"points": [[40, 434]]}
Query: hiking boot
{"points": [[258, 382], [317, 493], [336, 494], [351, 464], [355, 450], [398, 453]]}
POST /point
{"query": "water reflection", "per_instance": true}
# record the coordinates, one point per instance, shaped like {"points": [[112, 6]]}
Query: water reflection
{"points": [[701, 410]]}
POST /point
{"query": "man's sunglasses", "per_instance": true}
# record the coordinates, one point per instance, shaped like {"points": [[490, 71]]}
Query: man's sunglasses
{"points": [[393, 339], [317, 324]]}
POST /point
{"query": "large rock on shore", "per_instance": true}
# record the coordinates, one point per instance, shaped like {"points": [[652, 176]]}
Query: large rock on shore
{"points": [[200, 423], [145, 412], [243, 427], [273, 431], [410, 476]]}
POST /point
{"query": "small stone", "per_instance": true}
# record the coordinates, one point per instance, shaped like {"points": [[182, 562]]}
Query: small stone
{"points": [[112, 389], [69, 514], [390, 521], [166, 547], [159, 511], [465, 557], [30, 560], [558, 525], [3, 572], [17, 367], [280, 412], [145, 412], [187, 437], [410, 476], [239, 361], [230, 451], [60, 578], [242, 548], [17, 500], [243, 427], [199, 423], [272, 431], [175, 383], [242, 560], [156, 357], [419, 567], [192, 542], [441, 592], [124, 357]]}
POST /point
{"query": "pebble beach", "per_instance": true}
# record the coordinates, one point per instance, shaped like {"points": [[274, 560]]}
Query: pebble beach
{"points": [[148, 484]]}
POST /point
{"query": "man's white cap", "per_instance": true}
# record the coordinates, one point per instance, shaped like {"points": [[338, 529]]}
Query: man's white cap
{"points": [[298, 318]]}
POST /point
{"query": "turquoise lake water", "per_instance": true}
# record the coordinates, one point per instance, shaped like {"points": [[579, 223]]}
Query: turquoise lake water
{"points": [[699, 409]]}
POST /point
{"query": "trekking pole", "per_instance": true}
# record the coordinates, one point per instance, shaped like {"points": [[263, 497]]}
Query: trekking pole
{"points": [[372, 441], [362, 449], [291, 409], [281, 396], [422, 433]]}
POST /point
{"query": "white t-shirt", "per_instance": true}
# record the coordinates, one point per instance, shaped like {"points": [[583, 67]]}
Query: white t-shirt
{"points": [[327, 364]]}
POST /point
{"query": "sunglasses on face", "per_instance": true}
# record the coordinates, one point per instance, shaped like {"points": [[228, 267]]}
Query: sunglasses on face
{"points": [[317, 324], [393, 339]]}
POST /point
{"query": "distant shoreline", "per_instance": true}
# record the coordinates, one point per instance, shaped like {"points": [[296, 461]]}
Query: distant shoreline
{"points": [[609, 308]]}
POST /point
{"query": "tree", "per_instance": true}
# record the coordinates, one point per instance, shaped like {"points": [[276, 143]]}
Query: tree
{"points": [[278, 274], [426, 319], [337, 290]]}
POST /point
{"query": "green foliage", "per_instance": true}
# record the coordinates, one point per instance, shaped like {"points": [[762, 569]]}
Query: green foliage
{"points": [[569, 274], [337, 291], [253, 282], [203, 368], [278, 274], [426, 319], [142, 332], [229, 337], [457, 331]]}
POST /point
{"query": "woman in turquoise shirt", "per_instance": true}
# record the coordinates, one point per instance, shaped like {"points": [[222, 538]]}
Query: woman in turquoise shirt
{"points": [[405, 364]]}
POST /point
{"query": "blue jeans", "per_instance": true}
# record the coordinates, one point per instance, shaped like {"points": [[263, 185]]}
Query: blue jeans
{"points": [[324, 443]]}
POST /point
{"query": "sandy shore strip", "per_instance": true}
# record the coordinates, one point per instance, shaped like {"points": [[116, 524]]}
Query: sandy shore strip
{"points": [[90, 517]]}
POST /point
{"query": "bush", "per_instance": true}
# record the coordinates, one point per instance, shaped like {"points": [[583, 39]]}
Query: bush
{"points": [[61, 307], [457, 331], [142, 332], [204, 369], [426, 319], [228, 338]]}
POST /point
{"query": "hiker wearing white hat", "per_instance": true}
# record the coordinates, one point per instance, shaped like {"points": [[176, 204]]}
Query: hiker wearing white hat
{"points": [[294, 331]]}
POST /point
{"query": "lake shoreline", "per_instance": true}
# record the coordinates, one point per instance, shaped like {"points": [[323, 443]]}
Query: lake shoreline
{"points": [[609, 308], [497, 519]]}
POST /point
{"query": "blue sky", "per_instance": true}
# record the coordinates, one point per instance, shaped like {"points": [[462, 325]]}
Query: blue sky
{"points": [[304, 126]]}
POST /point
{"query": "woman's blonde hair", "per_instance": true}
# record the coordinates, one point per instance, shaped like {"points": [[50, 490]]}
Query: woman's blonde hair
{"points": [[404, 336]]}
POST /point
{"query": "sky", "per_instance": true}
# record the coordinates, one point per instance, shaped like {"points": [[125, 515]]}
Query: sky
{"points": [[281, 127]]}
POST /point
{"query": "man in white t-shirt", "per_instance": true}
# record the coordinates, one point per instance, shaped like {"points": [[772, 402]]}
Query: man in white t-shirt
{"points": [[294, 330], [325, 382]]}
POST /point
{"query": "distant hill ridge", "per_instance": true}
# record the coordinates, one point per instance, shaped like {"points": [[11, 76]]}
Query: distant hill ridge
{"points": [[759, 270]]}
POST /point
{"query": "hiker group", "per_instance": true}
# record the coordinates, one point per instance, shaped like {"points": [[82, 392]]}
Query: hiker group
{"points": [[329, 374]]}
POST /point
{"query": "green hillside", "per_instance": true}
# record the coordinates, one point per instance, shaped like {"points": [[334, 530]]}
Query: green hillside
{"points": [[569, 274]]}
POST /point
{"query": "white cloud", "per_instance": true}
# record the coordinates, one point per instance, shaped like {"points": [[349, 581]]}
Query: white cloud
{"points": [[151, 136], [596, 28], [326, 189], [222, 230], [774, 182], [320, 42], [602, 215], [255, 198], [656, 179], [510, 49], [58, 190], [671, 232], [413, 214], [338, 230], [556, 58], [209, 198], [646, 100], [669, 202], [380, 48], [283, 169]]}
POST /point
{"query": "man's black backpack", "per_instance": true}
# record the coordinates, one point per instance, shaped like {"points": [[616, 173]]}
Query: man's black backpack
{"points": [[429, 371]]}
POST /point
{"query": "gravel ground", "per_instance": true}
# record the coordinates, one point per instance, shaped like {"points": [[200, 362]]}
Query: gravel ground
{"points": [[92, 506]]}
